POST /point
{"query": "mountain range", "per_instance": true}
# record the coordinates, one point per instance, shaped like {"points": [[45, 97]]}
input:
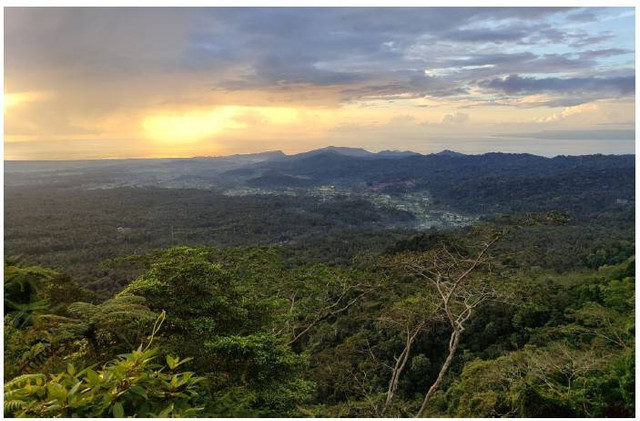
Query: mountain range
{"points": [[483, 183]]}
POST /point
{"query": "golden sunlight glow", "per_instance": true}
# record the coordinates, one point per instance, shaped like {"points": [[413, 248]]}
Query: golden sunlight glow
{"points": [[188, 127], [194, 126], [12, 100], [277, 115]]}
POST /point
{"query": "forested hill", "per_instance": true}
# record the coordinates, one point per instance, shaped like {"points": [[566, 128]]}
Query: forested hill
{"points": [[333, 166], [454, 178], [493, 182]]}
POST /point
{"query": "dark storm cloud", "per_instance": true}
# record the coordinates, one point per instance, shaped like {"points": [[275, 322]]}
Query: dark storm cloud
{"points": [[97, 41], [376, 53]]}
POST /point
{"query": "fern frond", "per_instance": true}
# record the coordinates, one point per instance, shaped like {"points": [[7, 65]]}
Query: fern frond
{"points": [[13, 405], [24, 378]]}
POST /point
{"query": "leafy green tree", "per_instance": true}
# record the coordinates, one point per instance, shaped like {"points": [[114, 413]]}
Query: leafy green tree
{"points": [[257, 375], [217, 315], [580, 366], [202, 300]]}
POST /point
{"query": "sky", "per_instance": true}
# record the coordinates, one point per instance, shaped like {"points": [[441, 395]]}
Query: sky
{"points": [[94, 83]]}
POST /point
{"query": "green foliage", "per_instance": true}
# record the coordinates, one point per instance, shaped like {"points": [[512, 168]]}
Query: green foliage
{"points": [[47, 345], [89, 334], [33, 289], [22, 292], [116, 324], [270, 333], [202, 299], [223, 316], [539, 382], [581, 367], [131, 386], [264, 369]]}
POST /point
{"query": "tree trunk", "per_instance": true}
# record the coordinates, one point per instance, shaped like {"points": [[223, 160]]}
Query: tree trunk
{"points": [[397, 370], [453, 347]]}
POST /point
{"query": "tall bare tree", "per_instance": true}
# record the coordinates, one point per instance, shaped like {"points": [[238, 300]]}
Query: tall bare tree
{"points": [[410, 317], [460, 279]]}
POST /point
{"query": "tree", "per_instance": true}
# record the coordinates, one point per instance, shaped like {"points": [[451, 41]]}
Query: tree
{"points": [[218, 315], [317, 293], [580, 366], [453, 274], [410, 317], [114, 325]]}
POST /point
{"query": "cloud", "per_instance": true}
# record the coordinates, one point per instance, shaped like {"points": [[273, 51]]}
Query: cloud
{"points": [[455, 119], [515, 84], [108, 69], [102, 42], [353, 51], [568, 112], [583, 16], [607, 52], [497, 36], [585, 41], [16, 99]]}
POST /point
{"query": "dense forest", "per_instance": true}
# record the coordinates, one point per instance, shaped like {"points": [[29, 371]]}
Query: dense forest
{"points": [[184, 300]]}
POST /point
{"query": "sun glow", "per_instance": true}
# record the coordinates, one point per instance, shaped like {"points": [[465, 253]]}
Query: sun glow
{"points": [[190, 126], [12, 100], [196, 125]]}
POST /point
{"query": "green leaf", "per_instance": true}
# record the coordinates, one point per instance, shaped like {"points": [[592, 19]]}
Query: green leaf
{"points": [[93, 377], [171, 362], [139, 390], [165, 412], [118, 410], [75, 388]]}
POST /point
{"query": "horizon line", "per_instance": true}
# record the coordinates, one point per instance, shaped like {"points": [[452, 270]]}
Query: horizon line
{"points": [[312, 150]]}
